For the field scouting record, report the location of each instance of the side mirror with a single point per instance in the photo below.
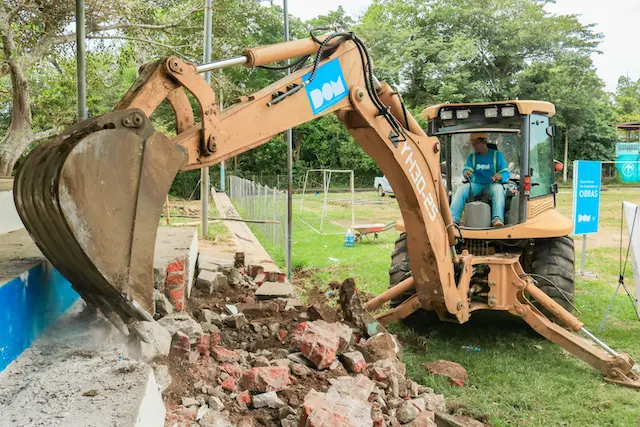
(551, 130)
(558, 166)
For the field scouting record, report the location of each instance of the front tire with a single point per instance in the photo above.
(554, 260)
(399, 269)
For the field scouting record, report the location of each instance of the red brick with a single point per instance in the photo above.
(222, 354)
(320, 341)
(243, 397)
(232, 369)
(424, 419)
(354, 361)
(175, 279)
(215, 338)
(282, 334)
(176, 294)
(264, 379)
(203, 344)
(324, 410)
(378, 374)
(229, 384)
(176, 266)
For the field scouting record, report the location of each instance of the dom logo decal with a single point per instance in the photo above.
(327, 88)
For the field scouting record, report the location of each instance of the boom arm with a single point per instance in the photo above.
(394, 140)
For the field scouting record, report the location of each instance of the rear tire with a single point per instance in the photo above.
(554, 259)
(380, 191)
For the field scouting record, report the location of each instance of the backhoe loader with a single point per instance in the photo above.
(92, 198)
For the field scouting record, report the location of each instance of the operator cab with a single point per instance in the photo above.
(521, 130)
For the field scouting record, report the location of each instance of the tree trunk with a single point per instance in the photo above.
(566, 154)
(19, 135)
(298, 145)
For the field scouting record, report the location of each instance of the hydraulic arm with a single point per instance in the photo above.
(92, 198)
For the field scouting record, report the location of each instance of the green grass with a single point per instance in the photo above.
(517, 378)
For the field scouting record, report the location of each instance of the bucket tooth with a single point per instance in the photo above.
(92, 199)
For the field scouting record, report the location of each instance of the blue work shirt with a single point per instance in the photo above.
(484, 166)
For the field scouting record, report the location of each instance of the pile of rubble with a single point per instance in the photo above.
(232, 359)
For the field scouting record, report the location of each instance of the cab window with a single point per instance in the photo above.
(540, 156)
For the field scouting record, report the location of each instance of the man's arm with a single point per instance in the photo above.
(503, 168)
(468, 166)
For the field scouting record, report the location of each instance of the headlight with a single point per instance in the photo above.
(491, 112)
(508, 111)
(446, 114)
(462, 114)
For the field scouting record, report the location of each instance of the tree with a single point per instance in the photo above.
(443, 51)
(627, 99)
(33, 32)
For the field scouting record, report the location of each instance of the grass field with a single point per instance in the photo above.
(517, 378)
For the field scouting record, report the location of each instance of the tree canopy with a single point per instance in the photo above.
(433, 51)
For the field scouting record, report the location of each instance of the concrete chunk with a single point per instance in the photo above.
(206, 281)
(275, 290)
(270, 400)
(184, 323)
(153, 341)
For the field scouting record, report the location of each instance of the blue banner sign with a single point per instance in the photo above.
(586, 196)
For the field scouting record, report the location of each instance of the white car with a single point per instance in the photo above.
(381, 184)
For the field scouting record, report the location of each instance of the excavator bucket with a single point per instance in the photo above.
(92, 200)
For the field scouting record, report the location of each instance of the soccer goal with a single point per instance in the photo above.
(327, 198)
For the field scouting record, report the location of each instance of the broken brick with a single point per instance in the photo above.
(229, 383)
(264, 379)
(424, 419)
(232, 369)
(378, 374)
(354, 361)
(324, 410)
(320, 341)
(203, 344)
(456, 373)
(260, 279)
(215, 338)
(244, 397)
(222, 354)
(282, 334)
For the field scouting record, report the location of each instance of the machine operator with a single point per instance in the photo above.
(486, 170)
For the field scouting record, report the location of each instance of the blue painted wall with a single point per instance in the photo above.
(28, 306)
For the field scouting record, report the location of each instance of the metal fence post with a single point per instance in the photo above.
(275, 230)
(266, 206)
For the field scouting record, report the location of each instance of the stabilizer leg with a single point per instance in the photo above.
(617, 367)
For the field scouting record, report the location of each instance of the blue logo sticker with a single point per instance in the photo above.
(586, 196)
(327, 88)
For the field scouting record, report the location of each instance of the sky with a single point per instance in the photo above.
(617, 20)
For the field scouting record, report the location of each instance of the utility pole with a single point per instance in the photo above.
(81, 63)
(288, 139)
(204, 174)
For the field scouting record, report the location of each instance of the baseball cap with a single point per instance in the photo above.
(479, 135)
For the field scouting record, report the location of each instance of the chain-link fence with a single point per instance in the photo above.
(258, 202)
